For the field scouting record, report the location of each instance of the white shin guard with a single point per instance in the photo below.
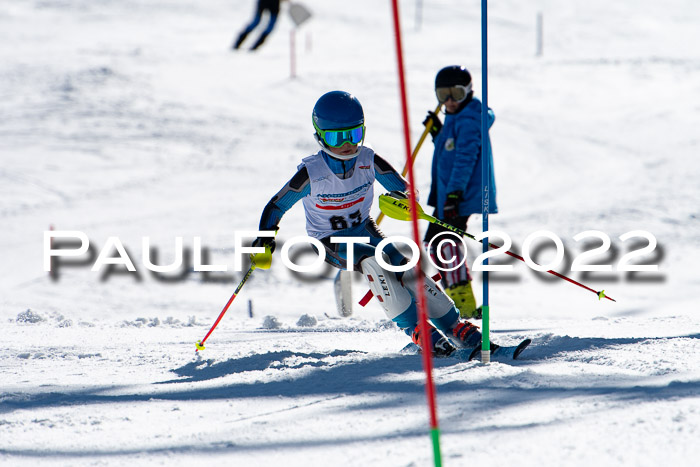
(439, 303)
(392, 295)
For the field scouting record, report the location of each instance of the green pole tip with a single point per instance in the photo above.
(435, 436)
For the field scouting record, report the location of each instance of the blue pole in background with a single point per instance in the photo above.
(485, 177)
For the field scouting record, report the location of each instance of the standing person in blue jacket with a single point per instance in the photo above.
(335, 186)
(273, 8)
(455, 191)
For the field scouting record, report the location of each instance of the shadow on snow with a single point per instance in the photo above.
(343, 373)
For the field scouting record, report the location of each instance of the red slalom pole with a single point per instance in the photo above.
(422, 306)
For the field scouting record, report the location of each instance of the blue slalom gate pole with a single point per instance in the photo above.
(485, 177)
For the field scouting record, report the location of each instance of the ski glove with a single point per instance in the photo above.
(266, 242)
(436, 124)
(450, 209)
(400, 194)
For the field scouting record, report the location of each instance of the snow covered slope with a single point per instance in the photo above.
(134, 119)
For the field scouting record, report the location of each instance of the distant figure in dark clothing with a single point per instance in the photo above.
(273, 7)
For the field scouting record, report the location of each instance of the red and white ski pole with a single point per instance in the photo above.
(200, 344)
(399, 209)
(263, 262)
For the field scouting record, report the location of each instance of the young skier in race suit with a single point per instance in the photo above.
(336, 188)
(455, 190)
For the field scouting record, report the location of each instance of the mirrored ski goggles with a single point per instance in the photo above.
(457, 93)
(336, 138)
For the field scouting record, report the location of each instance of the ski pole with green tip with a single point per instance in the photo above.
(399, 209)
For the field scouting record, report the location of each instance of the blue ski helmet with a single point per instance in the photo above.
(336, 111)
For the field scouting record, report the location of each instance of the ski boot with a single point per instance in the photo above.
(467, 336)
(441, 346)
